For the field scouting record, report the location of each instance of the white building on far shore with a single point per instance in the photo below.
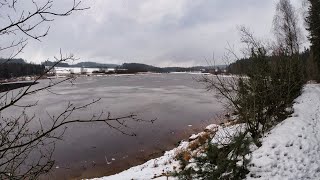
(72, 70)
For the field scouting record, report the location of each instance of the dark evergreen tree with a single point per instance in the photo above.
(313, 26)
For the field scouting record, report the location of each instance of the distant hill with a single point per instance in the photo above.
(192, 69)
(137, 67)
(50, 63)
(81, 64)
(17, 61)
(94, 65)
(130, 67)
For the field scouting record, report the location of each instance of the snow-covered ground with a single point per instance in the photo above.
(290, 151)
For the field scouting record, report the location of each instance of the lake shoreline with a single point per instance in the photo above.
(131, 160)
(4, 87)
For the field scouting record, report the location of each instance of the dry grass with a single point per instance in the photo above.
(184, 154)
(204, 137)
(193, 145)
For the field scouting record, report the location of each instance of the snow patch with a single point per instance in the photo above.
(292, 148)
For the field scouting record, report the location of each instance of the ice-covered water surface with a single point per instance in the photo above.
(176, 100)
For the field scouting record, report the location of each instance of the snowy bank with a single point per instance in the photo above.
(292, 149)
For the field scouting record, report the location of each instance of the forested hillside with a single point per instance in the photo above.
(17, 68)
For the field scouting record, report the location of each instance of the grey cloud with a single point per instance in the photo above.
(157, 32)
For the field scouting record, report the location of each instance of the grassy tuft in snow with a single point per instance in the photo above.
(220, 161)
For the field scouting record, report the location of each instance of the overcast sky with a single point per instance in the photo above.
(155, 32)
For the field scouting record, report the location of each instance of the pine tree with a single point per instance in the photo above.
(313, 26)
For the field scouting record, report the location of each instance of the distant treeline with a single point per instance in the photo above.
(243, 66)
(137, 67)
(80, 64)
(17, 68)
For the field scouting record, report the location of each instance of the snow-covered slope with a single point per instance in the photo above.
(292, 149)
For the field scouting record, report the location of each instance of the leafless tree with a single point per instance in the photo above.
(258, 96)
(286, 27)
(25, 152)
(229, 88)
(287, 49)
(273, 77)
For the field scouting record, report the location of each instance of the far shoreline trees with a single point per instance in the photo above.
(18, 68)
